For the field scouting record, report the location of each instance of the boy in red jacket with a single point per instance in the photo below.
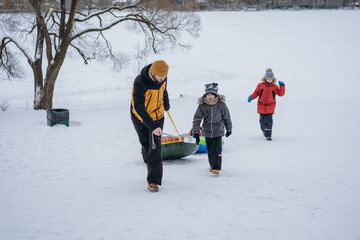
(267, 91)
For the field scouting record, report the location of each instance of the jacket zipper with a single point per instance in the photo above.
(212, 116)
(157, 106)
(267, 95)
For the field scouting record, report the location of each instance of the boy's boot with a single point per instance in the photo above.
(267, 134)
(153, 187)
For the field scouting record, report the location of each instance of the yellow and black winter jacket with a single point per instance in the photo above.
(149, 99)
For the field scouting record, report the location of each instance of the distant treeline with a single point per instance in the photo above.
(264, 4)
(198, 5)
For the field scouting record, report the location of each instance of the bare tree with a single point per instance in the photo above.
(54, 31)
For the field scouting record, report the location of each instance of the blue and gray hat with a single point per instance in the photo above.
(211, 88)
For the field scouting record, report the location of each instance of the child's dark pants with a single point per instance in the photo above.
(266, 123)
(214, 149)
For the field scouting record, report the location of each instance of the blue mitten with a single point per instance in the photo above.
(250, 99)
(281, 83)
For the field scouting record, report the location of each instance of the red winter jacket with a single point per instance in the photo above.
(267, 96)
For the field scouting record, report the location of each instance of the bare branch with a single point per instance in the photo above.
(6, 40)
(108, 10)
(100, 29)
(8, 61)
(82, 54)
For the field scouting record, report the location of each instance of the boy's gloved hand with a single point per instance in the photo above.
(250, 99)
(281, 83)
(197, 137)
(228, 133)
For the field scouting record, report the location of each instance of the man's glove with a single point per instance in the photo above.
(197, 137)
(250, 99)
(228, 133)
(281, 83)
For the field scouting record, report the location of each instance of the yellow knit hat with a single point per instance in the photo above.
(159, 68)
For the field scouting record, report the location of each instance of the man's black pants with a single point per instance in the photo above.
(266, 123)
(150, 149)
(214, 149)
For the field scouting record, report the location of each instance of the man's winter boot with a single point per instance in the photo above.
(153, 187)
(210, 169)
(215, 171)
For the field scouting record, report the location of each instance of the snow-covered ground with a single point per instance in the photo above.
(88, 181)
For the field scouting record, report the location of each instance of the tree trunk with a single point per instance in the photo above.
(46, 98)
(37, 65)
(62, 20)
(38, 81)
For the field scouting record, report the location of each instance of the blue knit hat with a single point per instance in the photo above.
(269, 74)
(211, 88)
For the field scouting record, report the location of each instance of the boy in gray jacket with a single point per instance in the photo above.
(215, 115)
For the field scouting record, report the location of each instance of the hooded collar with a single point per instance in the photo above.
(264, 81)
(220, 97)
(152, 77)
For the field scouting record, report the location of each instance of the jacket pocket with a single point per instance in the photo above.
(273, 94)
(148, 101)
(261, 92)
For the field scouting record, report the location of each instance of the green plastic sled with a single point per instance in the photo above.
(176, 150)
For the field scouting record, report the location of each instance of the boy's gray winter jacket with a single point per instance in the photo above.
(216, 117)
